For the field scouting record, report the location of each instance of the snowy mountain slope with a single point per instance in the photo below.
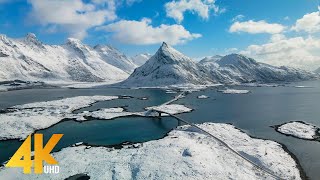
(170, 67)
(140, 59)
(31, 60)
(210, 62)
(116, 58)
(317, 71)
(242, 69)
(167, 67)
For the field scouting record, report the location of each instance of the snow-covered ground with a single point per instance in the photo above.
(235, 91)
(259, 84)
(105, 114)
(22, 120)
(203, 97)
(85, 85)
(171, 108)
(303, 87)
(299, 129)
(184, 153)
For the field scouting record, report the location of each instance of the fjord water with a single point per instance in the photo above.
(253, 113)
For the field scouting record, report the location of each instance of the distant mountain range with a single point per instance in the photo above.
(28, 59)
(317, 71)
(140, 59)
(170, 67)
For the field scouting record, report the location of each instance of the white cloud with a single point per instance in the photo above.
(309, 23)
(238, 18)
(231, 50)
(73, 16)
(296, 51)
(143, 33)
(277, 37)
(130, 2)
(176, 9)
(255, 27)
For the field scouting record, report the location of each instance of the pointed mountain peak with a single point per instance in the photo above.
(31, 36)
(73, 41)
(164, 45)
(170, 52)
(31, 39)
(3, 36)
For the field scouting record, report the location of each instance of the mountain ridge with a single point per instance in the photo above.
(167, 67)
(170, 67)
(140, 59)
(30, 59)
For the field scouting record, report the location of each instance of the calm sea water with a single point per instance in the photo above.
(254, 113)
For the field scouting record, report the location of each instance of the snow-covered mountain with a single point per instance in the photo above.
(210, 62)
(31, 60)
(170, 67)
(241, 69)
(140, 59)
(316, 71)
(116, 58)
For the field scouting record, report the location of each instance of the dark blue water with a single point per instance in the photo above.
(254, 113)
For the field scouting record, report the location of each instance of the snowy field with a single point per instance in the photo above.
(235, 91)
(184, 154)
(300, 130)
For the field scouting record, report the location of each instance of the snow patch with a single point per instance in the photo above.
(235, 91)
(303, 87)
(203, 97)
(299, 129)
(171, 108)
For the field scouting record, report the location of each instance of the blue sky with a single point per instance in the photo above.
(197, 28)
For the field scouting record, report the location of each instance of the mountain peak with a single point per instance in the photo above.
(31, 39)
(164, 45)
(235, 59)
(31, 36)
(3, 36)
(170, 53)
(73, 41)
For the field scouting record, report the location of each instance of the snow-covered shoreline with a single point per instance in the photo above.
(235, 91)
(185, 153)
(19, 121)
(22, 120)
(299, 129)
